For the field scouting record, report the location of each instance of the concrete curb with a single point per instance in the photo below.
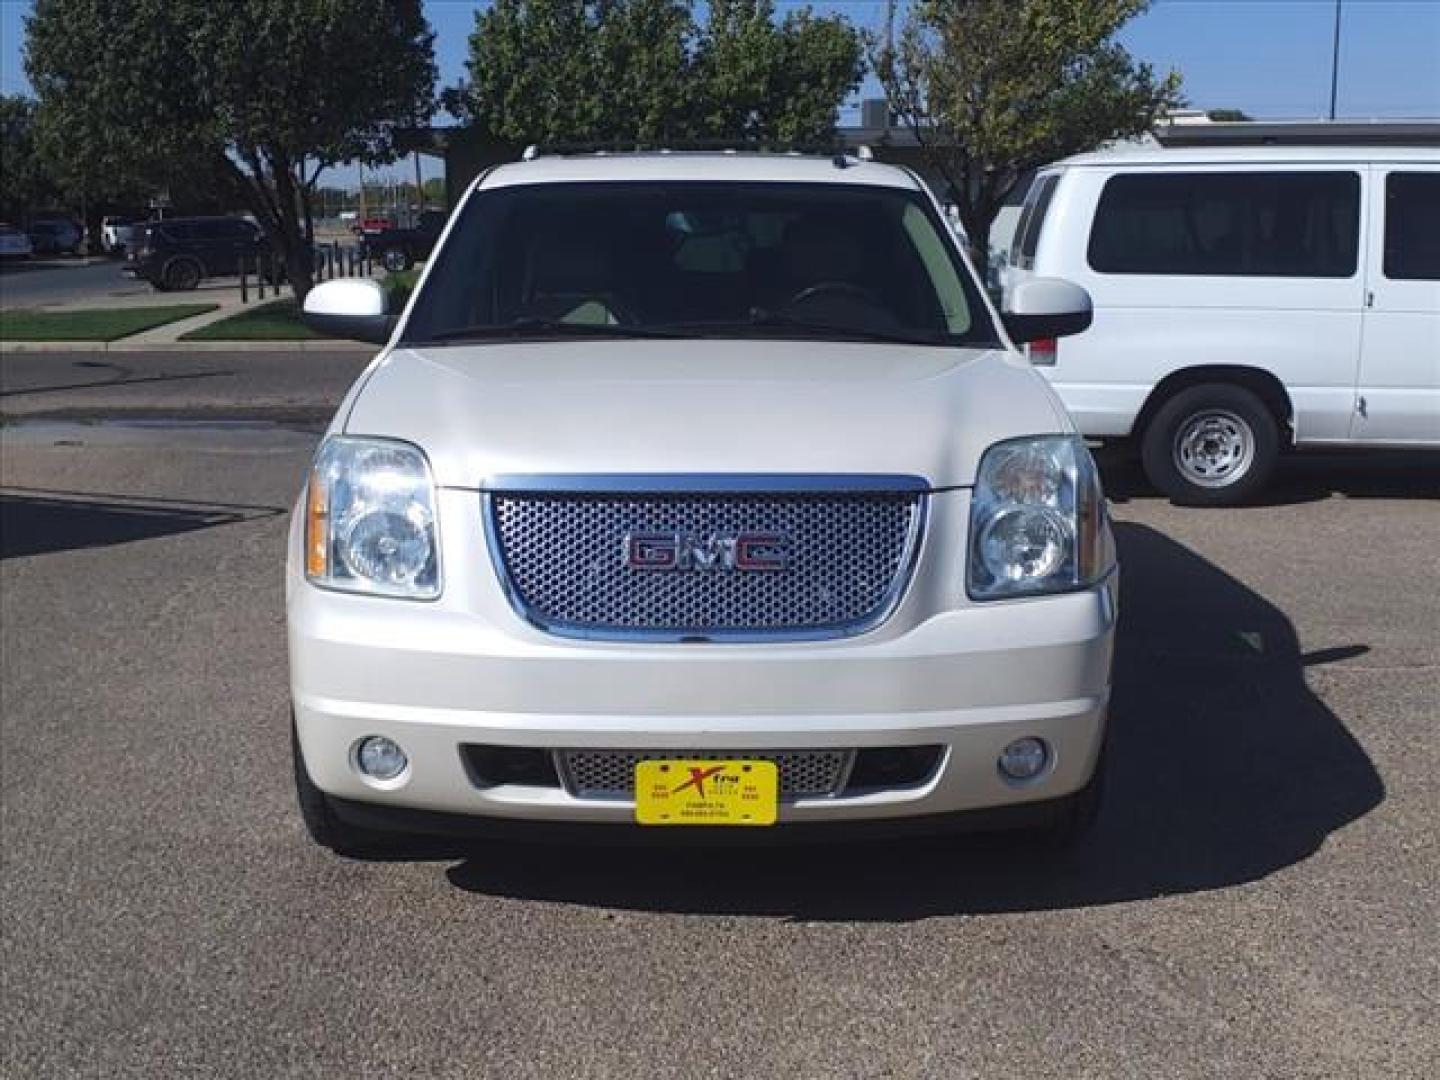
(325, 345)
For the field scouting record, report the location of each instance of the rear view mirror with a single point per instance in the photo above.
(1042, 307)
(349, 308)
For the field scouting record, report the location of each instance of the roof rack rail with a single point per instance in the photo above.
(841, 154)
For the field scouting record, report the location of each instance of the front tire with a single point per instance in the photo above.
(1076, 815)
(1215, 444)
(321, 822)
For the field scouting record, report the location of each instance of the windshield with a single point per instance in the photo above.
(827, 261)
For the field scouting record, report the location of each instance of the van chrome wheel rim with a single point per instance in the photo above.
(1214, 449)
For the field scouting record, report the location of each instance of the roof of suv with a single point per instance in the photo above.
(698, 165)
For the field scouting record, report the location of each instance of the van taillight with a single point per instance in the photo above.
(1042, 352)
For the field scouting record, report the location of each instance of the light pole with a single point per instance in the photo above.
(1335, 62)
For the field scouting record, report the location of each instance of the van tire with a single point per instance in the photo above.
(321, 822)
(1215, 444)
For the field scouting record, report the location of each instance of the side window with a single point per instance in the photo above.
(1412, 226)
(1027, 237)
(1250, 224)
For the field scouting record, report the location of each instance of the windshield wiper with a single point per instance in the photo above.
(760, 319)
(545, 327)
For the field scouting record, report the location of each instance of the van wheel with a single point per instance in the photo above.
(321, 822)
(182, 275)
(1211, 445)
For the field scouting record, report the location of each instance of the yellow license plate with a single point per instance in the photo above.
(706, 792)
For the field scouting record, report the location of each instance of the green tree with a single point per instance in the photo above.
(25, 184)
(265, 93)
(645, 71)
(775, 82)
(994, 88)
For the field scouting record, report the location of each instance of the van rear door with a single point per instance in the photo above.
(1398, 399)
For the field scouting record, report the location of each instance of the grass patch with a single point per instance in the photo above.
(400, 284)
(100, 324)
(278, 320)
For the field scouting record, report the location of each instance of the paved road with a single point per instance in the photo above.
(296, 386)
(1259, 899)
(58, 281)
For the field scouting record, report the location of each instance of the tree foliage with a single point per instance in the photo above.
(24, 182)
(994, 88)
(263, 93)
(648, 71)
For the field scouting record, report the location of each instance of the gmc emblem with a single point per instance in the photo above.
(712, 551)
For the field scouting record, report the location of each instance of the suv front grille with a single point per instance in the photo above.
(563, 555)
(607, 774)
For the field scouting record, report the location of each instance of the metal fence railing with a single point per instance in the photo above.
(262, 272)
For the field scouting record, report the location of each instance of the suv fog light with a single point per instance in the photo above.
(381, 759)
(1024, 759)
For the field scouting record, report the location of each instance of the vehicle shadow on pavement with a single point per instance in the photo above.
(1224, 768)
(1303, 477)
(33, 523)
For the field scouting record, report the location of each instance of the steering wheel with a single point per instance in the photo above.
(838, 289)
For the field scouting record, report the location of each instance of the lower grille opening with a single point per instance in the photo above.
(893, 767)
(610, 774)
(491, 766)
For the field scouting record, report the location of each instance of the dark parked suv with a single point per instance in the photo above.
(179, 253)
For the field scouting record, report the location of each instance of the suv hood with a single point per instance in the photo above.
(702, 406)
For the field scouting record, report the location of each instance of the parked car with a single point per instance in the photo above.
(1247, 301)
(112, 236)
(129, 235)
(699, 490)
(400, 249)
(14, 244)
(55, 236)
(179, 253)
(371, 225)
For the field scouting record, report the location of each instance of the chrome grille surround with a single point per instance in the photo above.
(557, 542)
(610, 774)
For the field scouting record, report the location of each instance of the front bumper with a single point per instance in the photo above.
(435, 677)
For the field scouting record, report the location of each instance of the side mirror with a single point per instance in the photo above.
(349, 308)
(1042, 307)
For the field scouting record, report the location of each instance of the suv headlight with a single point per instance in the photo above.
(1037, 520)
(370, 519)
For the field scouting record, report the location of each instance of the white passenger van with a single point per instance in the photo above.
(1247, 300)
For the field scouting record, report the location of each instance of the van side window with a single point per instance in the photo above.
(1260, 224)
(1412, 226)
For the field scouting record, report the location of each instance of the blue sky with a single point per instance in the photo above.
(1268, 57)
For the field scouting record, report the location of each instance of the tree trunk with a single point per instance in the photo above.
(980, 246)
(299, 266)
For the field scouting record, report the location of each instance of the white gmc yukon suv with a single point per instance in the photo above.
(692, 494)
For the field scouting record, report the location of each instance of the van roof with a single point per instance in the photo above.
(1253, 155)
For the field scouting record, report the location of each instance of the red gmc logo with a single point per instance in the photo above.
(713, 551)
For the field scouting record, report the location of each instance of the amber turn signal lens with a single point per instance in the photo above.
(317, 532)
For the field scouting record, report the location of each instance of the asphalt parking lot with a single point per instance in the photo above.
(40, 282)
(1259, 898)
